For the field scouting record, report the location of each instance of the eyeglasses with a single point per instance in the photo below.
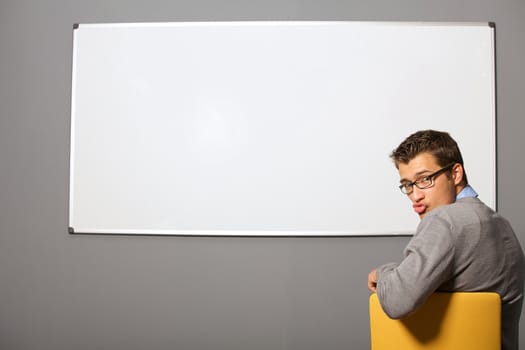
(424, 182)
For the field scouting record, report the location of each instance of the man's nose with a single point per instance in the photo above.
(417, 194)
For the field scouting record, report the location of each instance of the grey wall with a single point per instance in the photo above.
(59, 291)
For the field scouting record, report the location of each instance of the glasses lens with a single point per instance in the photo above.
(406, 189)
(424, 182)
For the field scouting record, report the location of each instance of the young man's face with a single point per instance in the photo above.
(445, 185)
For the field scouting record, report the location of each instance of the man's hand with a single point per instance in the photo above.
(372, 281)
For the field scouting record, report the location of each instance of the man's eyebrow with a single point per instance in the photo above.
(422, 172)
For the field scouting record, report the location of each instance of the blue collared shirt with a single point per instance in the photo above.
(467, 191)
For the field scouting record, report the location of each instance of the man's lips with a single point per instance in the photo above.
(419, 208)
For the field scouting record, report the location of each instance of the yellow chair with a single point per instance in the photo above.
(446, 321)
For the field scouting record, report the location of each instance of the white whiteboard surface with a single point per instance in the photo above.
(269, 128)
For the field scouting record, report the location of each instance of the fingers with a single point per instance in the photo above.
(372, 281)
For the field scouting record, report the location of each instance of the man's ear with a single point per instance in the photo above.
(457, 174)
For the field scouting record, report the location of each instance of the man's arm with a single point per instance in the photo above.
(427, 264)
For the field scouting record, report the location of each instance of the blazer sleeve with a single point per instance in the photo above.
(427, 263)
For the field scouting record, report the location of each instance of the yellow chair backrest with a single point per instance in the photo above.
(446, 321)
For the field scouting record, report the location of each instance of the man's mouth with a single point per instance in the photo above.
(419, 208)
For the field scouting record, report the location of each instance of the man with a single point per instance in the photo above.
(460, 243)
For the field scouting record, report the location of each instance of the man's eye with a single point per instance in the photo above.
(423, 180)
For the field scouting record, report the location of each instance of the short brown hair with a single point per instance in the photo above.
(438, 143)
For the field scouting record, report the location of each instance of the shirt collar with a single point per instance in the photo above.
(466, 192)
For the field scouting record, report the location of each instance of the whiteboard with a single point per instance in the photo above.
(269, 128)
